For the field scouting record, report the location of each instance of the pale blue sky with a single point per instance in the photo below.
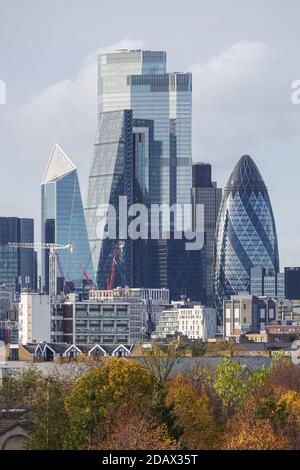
(243, 55)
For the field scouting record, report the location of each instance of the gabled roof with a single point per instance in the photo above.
(57, 348)
(59, 165)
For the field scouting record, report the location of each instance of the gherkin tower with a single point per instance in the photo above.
(246, 232)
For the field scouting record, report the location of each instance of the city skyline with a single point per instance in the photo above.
(248, 111)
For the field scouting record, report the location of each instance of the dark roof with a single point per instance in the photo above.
(58, 348)
(31, 347)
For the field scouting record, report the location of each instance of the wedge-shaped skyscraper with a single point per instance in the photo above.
(246, 233)
(63, 222)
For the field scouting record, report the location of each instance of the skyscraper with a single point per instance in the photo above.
(160, 148)
(206, 192)
(246, 233)
(63, 222)
(137, 80)
(111, 176)
(17, 265)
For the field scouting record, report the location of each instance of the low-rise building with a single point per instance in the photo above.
(108, 317)
(188, 319)
(244, 314)
(288, 310)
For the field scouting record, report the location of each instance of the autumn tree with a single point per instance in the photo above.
(194, 415)
(115, 385)
(128, 429)
(246, 431)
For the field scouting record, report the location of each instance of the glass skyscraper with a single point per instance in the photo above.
(63, 222)
(17, 265)
(159, 149)
(111, 176)
(246, 233)
(137, 80)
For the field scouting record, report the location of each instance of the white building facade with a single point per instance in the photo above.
(193, 321)
(34, 318)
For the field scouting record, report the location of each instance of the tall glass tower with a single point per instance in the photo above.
(63, 222)
(137, 80)
(246, 233)
(111, 176)
(161, 146)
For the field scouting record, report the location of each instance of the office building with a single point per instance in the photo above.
(177, 269)
(18, 266)
(108, 317)
(262, 284)
(246, 314)
(292, 283)
(138, 80)
(188, 319)
(111, 176)
(152, 143)
(63, 223)
(246, 233)
(206, 192)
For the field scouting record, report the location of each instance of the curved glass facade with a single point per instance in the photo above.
(246, 233)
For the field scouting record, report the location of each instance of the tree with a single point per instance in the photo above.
(246, 431)
(194, 415)
(229, 383)
(283, 373)
(161, 359)
(131, 430)
(117, 384)
(50, 419)
(198, 348)
(258, 436)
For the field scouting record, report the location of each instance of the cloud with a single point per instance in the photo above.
(240, 103)
(66, 113)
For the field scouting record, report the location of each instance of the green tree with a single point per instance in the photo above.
(50, 419)
(229, 383)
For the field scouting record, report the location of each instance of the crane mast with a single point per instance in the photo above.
(53, 253)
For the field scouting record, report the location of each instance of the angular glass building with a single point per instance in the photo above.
(246, 233)
(111, 176)
(63, 222)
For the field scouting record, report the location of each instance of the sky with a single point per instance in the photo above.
(244, 57)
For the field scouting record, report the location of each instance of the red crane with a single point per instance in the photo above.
(86, 276)
(111, 280)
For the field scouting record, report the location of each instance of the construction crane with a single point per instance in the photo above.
(111, 280)
(53, 249)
